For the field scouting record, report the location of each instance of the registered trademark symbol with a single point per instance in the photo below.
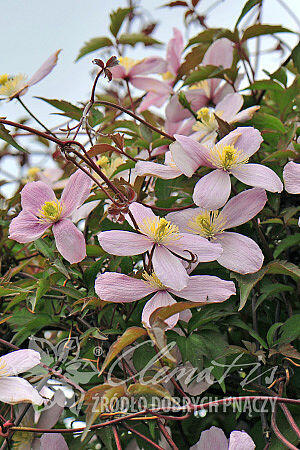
(98, 351)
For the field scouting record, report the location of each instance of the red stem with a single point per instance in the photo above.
(117, 439)
(132, 430)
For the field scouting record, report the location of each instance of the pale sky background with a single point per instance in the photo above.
(31, 30)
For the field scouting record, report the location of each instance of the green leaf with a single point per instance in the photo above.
(287, 242)
(94, 251)
(265, 85)
(135, 38)
(271, 332)
(68, 109)
(4, 134)
(259, 30)
(202, 74)
(42, 287)
(208, 36)
(93, 45)
(235, 321)
(116, 19)
(247, 7)
(265, 121)
(290, 330)
(296, 56)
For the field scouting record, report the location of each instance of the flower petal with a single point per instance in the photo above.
(188, 154)
(152, 99)
(244, 206)
(174, 50)
(19, 361)
(151, 85)
(154, 64)
(182, 218)
(259, 176)
(84, 210)
(17, 390)
(50, 415)
(212, 439)
(34, 195)
(227, 108)
(118, 72)
(220, 53)
(44, 70)
(77, 190)
(26, 228)
(169, 268)
(141, 212)
(240, 440)
(159, 300)
(206, 288)
(69, 241)
(159, 170)
(203, 249)
(291, 177)
(240, 253)
(123, 243)
(119, 288)
(245, 115)
(212, 191)
(245, 139)
(53, 441)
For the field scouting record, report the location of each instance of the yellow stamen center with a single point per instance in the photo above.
(32, 173)
(202, 85)
(160, 230)
(208, 223)
(11, 85)
(109, 165)
(227, 157)
(102, 161)
(50, 211)
(167, 76)
(3, 368)
(128, 63)
(154, 281)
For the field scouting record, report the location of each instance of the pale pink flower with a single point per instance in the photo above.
(119, 288)
(240, 253)
(16, 86)
(291, 177)
(15, 389)
(41, 210)
(134, 72)
(212, 90)
(215, 439)
(165, 243)
(175, 48)
(227, 109)
(229, 156)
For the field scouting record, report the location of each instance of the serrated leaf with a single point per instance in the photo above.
(139, 389)
(93, 45)
(247, 7)
(268, 122)
(265, 85)
(68, 109)
(127, 338)
(296, 56)
(43, 286)
(210, 35)
(5, 135)
(135, 38)
(117, 18)
(260, 30)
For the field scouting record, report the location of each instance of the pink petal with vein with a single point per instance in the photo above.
(220, 53)
(154, 64)
(229, 106)
(19, 361)
(212, 191)
(174, 50)
(240, 440)
(244, 206)
(197, 245)
(69, 241)
(45, 69)
(259, 176)
(212, 439)
(34, 195)
(76, 192)
(53, 441)
(151, 84)
(240, 253)
(141, 212)
(124, 243)
(202, 288)
(187, 154)
(158, 170)
(26, 228)
(159, 300)
(15, 390)
(119, 288)
(291, 177)
(169, 268)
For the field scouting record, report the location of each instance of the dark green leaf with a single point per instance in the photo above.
(265, 85)
(69, 110)
(259, 30)
(202, 74)
(287, 242)
(265, 121)
(135, 38)
(4, 134)
(247, 7)
(296, 56)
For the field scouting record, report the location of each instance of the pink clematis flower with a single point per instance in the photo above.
(240, 253)
(215, 439)
(14, 389)
(41, 210)
(174, 52)
(227, 109)
(116, 287)
(165, 243)
(16, 86)
(134, 72)
(228, 157)
(212, 90)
